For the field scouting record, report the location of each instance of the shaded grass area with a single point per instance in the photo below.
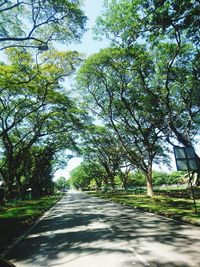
(15, 218)
(176, 208)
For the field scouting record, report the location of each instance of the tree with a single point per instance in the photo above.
(137, 179)
(37, 23)
(101, 143)
(126, 22)
(94, 171)
(41, 172)
(124, 174)
(34, 111)
(117, 91)
(160, 178)
(170, 31)
(79, 178)
(61, 183)
(176, 177)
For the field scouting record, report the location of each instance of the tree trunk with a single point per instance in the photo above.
(8, 191)
(98, 183)
(112, 180)
(150, 192)
(105, 184)
(148, 175)
(124, 184)
(2, 196)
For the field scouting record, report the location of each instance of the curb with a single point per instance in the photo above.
(22, 236)
(181, 219)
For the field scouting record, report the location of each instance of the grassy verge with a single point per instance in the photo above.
(15, 218)
(176, 208)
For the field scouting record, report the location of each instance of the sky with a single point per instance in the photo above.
(92, 9)
(88, 46)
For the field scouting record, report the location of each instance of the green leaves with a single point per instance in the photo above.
(126, 22)
(36, 23)
(79, 178)
(120, 22)
(35, 111)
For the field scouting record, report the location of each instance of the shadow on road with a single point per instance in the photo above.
(81, 226)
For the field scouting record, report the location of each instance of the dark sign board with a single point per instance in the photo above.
(185, 159)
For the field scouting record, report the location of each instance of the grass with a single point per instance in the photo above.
(176, 208)
(16, 217)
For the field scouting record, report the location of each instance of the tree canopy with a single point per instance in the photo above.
(37, 116)
(146, 84)
(138, 97)
(37, 23)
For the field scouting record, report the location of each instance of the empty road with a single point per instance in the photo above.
(81, 231)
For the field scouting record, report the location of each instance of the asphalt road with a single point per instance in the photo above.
(81, 231)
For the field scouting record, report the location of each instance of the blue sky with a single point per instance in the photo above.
(92, 9)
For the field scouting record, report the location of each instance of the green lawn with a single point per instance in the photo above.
(177, 208)
(16, 217)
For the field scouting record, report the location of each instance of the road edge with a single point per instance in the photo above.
(18, 239)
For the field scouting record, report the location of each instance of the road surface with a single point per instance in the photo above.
(81, 231)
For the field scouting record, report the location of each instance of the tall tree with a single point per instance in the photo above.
(169, 29)
(94, 171)
(115, 82)
(79, 178)
(37, 111)
(124, 174)
(101, 144)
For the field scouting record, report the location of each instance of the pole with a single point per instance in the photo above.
(192, 191)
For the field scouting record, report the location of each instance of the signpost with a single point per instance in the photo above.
(186, 161)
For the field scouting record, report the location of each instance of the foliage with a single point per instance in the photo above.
(124, 175)
(128, 21)
(164, 178)
(146, 84)
(95, 172)
(118, 93)
(144, 90)
(61, 183)
(36, 23)
(79, 178)
(37, 117)
(169, 31)
(137, 179)
(100, 143)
